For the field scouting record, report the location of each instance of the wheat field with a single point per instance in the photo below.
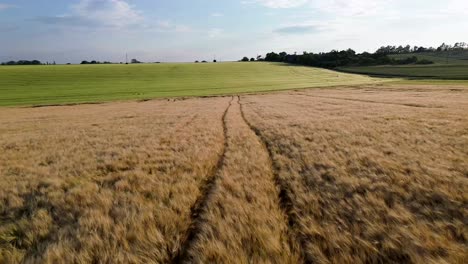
(359, 174)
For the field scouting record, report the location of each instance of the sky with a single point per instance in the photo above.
(69, 31)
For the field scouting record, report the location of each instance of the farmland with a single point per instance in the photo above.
(452, 57)
(233, 132)
(65, 84)
(449, 65)
(451, 72)
(350, 174)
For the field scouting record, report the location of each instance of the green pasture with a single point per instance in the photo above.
(64, 84)
(450, 67)
(434, 71)
(441, 57)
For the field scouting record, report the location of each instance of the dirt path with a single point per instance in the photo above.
(241, 214)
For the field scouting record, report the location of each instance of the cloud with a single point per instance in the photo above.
(108, 12)
(67, 21)
(168, 26)
(215, 32)
(8, 28)
(456, 7)
(299, 29)
(278, 3)
(336, 7)
(217, 15)
(108, 15)
(98, 13)
(6, 6)
(350, 7)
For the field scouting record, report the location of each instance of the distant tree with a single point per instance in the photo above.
(94, 62)
(282, 56)
(84, 62)
(272, 56)
(252, 59)
(421, 49)
(135, 61)
(245, 59)
(214, 61)
(22, 62)
(407, 49)
(460, 46)
(348, 57)
(204, 61)
(196, 61)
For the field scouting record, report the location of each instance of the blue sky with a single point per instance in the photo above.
(187, 30)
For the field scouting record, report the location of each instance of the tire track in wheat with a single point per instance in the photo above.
(206, 190)
(369, 101)
(285, 193)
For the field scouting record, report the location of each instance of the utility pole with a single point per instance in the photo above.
(126, 58)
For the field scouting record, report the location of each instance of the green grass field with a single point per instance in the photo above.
(445, 57)
(63, 84)
(436, 71)
(452, 65)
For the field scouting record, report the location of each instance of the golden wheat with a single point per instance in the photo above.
(368, 174)
(109, 183)
(375, 175)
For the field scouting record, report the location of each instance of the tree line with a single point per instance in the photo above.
(133, 61)
(37, 62)
(330, 59)
(22, 62)
(342, 58)
(459, 46)
(349, 57)
(95, 62)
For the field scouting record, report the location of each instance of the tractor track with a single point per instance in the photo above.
(207, 189)
(285, 193)
(368, 101)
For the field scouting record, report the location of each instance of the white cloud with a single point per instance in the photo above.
(168, 26)
(350, 7)
(108, 15)
(215, 32)
(456, 7)
(278, 3)
(217, 15)
(97, 14)
(309, 27)
(336, 7)
(115, 13)
(6, 6)
(362, 8)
